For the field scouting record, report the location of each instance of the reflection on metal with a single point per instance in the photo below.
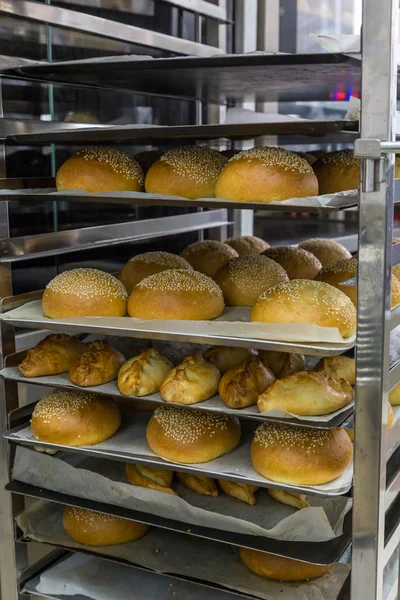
(16, 127)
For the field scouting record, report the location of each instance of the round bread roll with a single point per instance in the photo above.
(190, 172)
(98, 529)
(142, 375)
(98, 170)
(338, 367)
(187, 435)
(208, 256)
(178, 294)
(243, 279)
(84, 293)
(147, 158)
(194, 380)
(266, 175)
(306, 301)
(247, 244)
(300, 455)
(298, 263)
(143, 265)
(74, 418)
(327, 251)
(279, 568)
(225, 357)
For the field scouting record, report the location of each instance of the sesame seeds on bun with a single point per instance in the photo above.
(142, 265)
(147, 158)
(208, 256)
(247, 244)
(298, 263)
(327, 251)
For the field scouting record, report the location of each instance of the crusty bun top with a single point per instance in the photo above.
(247, 244)
(208, 256)
(298, 263)
(143, 265)
(327, 251)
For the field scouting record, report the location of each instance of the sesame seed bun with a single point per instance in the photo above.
(247, 244)
(99, 170)
(298, 263)
(191, 436)
(266, 175)
(243, 279)
(84, 293)
(306, 301)
(142, 265)
(99, 529)
(327, 251)
(190, 172)
(147, 158)
(74, 418)
(300, 455)
(279, 568)
(208, 256)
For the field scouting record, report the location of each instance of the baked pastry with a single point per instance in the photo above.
(142, 375)
(194, 380)
(98, 170)
(266, 175)
(198, 483)
(240, 491)
(279, 568)
(241, 386)
(306, 393)
(98, 529)
(52, 356)
(327, 251)
(298, 263)
(208, 256)
(147, 158)
(99, 364)
(296, 500)
(187, 435)
(189, 171)
(84, 293)
(300, 455)
(178, 294)
(394, 395)
(306, 301)
(74, 418)
(338, 367)
(243, 279)
(227, 357)
(247, 244)
(283, 363)
(151, 478)
(142, 265)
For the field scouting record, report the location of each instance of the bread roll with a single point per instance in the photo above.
(208, 256)
(142, 265)
(199, 483)
(52, 356)
(298, 263)
(338, 367)
(98, 170)
(84, 293)
(306, 393)
(295, 500)
(74, 418)
(243, 279)
(241, 386)
(310, 158)
(394, 395)
(189, 171)
(98, 529)
(283, 363)
(142, 375)
(240, 491)
(266, 175)
(178, 294)
(305, 301)
(152, 478)
(99, 364)
(300, 455)
(147, 158)
(327, 251)
(194, 380)
(226, 357)
(191, 436)
(279, 568)
(247, 244)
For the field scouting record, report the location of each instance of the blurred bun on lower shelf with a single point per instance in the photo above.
(327, 251)
(279, 568)
(143, 265)
(208, 256)
(247, 244)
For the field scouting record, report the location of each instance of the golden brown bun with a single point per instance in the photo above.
(52, 356)
(306, 393)
(266, 175)
(298, 263)
(84, 293)
(194, 380)
(243, 279)
(178, 294)
(306, 301)
(99, 529)
(208, 256)
(141, 266)
(338, 367)
(199, 483)
(150, 477)
(327, 251)
(394, 395)
(299, 455)
(279, 568)
(310, 158)
(74, 418)
(147, 158)
(318, 153)
(190, 172)
(283, 363)
(296, 500)
(247, 244)
(240, 491)
(241, 386)
(99, 170)
(99, 364)
(187, 435)
(142, 375)
(226, 357)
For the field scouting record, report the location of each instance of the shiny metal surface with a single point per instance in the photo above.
(26, 127)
